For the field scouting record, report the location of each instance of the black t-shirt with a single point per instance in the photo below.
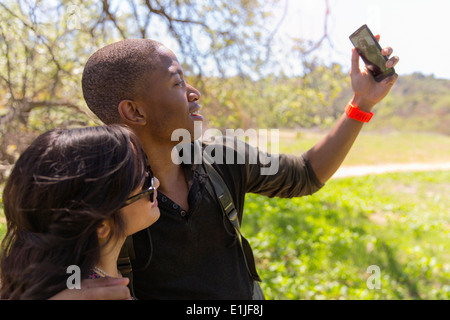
(196, 254)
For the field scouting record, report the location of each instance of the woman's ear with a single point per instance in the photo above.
(104, 229)
(131, 113)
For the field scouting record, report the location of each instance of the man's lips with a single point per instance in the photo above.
(194, 113)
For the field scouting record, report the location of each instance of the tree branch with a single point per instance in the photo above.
(161, 12)
(110, 16)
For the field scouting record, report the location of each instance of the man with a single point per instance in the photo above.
(192, 252)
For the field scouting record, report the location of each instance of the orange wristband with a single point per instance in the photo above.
(357, 114)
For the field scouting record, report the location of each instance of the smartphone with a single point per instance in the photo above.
(370, 51)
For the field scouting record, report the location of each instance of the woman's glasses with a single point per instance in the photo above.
(148, 188)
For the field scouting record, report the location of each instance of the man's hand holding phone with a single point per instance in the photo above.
(368, 90)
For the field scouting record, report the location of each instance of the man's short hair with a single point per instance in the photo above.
(113, 74)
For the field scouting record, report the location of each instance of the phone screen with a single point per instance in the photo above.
(370, 51)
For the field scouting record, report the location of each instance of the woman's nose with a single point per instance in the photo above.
(156, 182)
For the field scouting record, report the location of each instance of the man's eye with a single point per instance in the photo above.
(182, 83)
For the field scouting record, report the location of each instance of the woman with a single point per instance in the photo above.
(72, 199)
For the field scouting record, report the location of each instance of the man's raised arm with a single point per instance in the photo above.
(329, 153)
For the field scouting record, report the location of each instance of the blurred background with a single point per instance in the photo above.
(274, 64)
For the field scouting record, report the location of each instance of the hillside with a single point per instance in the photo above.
(416, 103)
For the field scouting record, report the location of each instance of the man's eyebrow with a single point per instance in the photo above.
(177, 72)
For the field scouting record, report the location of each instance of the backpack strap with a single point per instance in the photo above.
(124, 262)
(218, 189)
(127, 253)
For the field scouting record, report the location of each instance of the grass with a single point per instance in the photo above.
(320, 247)
(378, 148)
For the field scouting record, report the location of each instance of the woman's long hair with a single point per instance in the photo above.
(60, 190)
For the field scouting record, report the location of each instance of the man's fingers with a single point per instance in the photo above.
(97, 289)
(392, 62)
(117, 292)
(355, 62)
(387, 51)
(390, 81)
(105, 289)
(104, 282)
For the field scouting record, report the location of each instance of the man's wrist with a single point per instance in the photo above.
(355, 113)
(362, 103)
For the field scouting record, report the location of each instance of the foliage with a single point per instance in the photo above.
(45, 44)
(320, 247)
(225, 50)
(316, 99)
(415, 103)
(273, 101)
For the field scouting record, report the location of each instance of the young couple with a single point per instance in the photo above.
(75, 195)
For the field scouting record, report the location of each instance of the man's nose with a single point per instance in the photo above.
(193, 94)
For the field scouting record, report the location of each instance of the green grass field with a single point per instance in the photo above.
(320, 247)
(377, 148)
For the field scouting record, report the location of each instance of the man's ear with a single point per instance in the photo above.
(131, 113)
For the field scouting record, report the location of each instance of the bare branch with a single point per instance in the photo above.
(112, 18)
(324, 37)
(142, 28)
(275, 30)
(161, 12)
(8, 65)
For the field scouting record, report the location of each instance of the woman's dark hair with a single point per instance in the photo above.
(61, 189)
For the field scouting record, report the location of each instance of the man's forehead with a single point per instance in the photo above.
(169, 62)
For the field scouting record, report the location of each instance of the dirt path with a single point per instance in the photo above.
(355, 171)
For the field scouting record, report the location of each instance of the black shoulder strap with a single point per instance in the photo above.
(220, 191)
(124, 262)
(127, 253)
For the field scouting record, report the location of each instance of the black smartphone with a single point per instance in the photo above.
(370, 51)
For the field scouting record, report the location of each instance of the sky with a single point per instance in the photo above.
(417, 30)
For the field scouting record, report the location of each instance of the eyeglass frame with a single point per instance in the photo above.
(141, 194)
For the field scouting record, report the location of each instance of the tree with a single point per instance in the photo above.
(45, 44)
